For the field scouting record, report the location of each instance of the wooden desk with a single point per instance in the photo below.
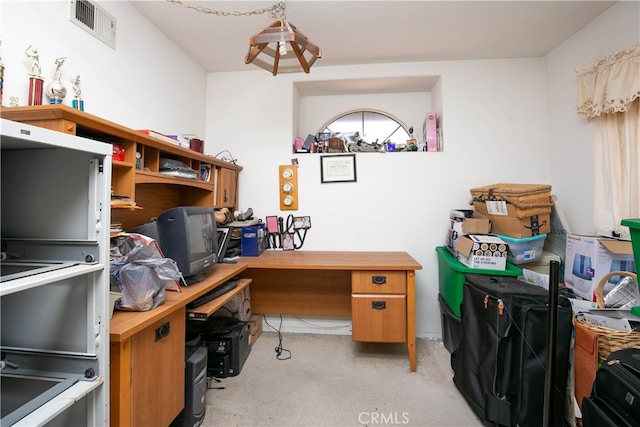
(147, 366)
(375, 289)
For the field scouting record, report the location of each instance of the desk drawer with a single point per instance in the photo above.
(379, 282)
(379, 318)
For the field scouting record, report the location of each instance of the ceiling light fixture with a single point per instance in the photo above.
(279, 48)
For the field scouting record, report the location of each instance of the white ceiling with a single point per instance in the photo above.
(373, 32)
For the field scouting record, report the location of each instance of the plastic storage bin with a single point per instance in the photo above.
(634, 230)
(253, 240)
(451, 275)
(527, 249)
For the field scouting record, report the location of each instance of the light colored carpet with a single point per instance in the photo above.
(332, 381)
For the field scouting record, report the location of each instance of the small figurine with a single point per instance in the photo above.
(13, 101)
(36, 70)
(57, 74)
(77, 102)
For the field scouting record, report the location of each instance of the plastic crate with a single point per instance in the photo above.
(634, 229)
(527, 249)
(451, 275)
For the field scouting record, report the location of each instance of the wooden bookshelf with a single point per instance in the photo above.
(138, 176)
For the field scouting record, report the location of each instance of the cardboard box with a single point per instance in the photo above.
(117, 152)
(255, 327)
(589, 258)
(504, 220)
(482, 251)
(463, 222)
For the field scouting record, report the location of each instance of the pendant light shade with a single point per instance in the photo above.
(282, 48)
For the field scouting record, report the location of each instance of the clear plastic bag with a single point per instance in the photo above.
(141, 276)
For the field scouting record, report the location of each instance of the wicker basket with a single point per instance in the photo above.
(528, 199)
(610, 340)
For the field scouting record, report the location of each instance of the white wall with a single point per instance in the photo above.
(571, 137)
(146, 82)
(496, 131)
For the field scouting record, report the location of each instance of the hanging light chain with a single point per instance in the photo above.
(275, 11)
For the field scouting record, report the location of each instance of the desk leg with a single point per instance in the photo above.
(120, 384)
(411, 318)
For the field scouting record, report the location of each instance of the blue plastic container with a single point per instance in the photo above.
(253, 240)
(527, 249)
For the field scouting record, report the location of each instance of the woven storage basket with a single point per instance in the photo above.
(610, 340)
(528, 199)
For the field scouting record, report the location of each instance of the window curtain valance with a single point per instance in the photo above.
(609, 85)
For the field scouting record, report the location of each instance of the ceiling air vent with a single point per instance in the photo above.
(94, 20)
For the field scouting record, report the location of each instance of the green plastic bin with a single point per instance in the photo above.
(634, 230)
(451, 277)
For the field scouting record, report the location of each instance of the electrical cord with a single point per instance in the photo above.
(279, 349)
(214, 379)
(229, 159)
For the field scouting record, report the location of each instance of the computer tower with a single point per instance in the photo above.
(195, 388)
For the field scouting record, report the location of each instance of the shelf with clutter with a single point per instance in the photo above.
(149, 174)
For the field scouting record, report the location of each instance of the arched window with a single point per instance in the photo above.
(365, 130)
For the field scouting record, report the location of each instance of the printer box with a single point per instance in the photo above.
(589, 258)
(482, 251)
(463, 222)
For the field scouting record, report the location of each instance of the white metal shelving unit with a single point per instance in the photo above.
(54, 337)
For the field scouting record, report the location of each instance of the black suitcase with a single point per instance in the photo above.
(615, 397)
(499, 366)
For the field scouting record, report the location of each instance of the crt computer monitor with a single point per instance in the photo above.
(187, 234)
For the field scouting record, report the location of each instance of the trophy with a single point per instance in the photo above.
(55, 90)
(35, 77)
(77, 102)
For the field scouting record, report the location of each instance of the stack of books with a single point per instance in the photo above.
(172, 139)
(122, 202)
(116, 228)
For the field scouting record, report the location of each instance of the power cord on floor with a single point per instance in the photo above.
(279, 349)
(214, 379)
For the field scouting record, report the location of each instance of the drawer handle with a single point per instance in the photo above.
(378, 280)
(163, 331)
(378, 305)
